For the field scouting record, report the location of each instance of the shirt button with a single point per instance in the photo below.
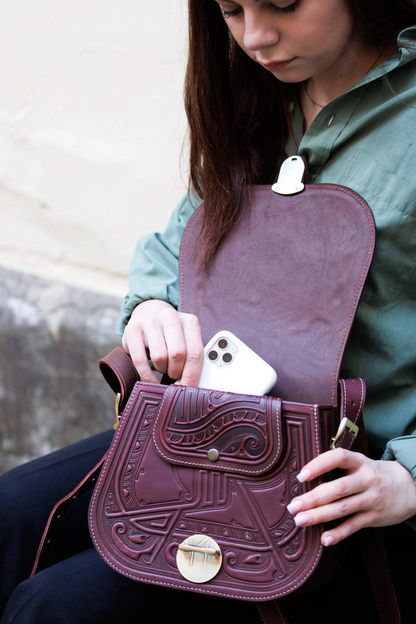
(291, 106)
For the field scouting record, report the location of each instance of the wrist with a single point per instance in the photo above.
(149, 307)
(405, 482)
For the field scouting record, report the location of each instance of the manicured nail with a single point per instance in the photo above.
(294, 507)
(327, 541)
(303, 476)
(302, 519)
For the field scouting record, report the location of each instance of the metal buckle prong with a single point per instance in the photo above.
(117, 408)
(343, 425)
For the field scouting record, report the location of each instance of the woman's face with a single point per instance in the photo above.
(295, 39)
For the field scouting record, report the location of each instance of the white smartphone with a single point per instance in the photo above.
(230, 365)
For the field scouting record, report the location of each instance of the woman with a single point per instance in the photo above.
(316, 49)
(303, 76)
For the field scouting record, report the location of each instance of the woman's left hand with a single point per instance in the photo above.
(371, 493)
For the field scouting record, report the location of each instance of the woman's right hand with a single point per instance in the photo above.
(171, 339)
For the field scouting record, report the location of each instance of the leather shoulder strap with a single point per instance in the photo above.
(120, 374)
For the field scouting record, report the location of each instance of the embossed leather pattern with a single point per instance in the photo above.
(246, 430)
(158, 487)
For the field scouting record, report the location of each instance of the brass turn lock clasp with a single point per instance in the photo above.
(199, 558)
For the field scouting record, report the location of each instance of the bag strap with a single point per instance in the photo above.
(119, 372)
(58, 513)
(271, 612)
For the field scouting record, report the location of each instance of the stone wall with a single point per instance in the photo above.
(91, 129)
(51, 391)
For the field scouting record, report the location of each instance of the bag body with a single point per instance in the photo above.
(188, 466)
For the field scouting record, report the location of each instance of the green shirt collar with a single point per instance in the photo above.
(406, 42)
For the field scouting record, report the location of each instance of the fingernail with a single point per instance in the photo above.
(302, 519)
(294, 507)
(303, 476)
(327, 541)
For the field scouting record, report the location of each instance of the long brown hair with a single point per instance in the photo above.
(238, 113)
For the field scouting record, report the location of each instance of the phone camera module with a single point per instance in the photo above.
(222, 343)
(212, 355)
(227, 357)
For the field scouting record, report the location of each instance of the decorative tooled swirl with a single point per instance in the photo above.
(242, 441)
(260, 570)
(236, 432)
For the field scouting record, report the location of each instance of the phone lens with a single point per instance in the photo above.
(227, 357)
(212, 355)
(222, 343)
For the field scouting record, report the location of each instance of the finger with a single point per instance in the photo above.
(358, 503)
(347, 528)
(327, 493)
(338, 458)
(194, 352)
(134, 345)
(157, 350)
(175, 345)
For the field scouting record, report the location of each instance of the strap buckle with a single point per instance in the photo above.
(344, 425)
(117, 408)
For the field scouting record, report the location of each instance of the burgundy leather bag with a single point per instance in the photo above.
(194, 490)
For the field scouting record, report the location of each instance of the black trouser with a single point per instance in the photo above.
(79, 587)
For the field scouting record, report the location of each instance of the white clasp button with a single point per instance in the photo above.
(290, 177)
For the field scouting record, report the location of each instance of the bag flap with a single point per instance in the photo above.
(219, 430)
(286, 281)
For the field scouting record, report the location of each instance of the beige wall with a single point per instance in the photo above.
(91, 127)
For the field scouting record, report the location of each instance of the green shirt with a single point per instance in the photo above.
(366, 140)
